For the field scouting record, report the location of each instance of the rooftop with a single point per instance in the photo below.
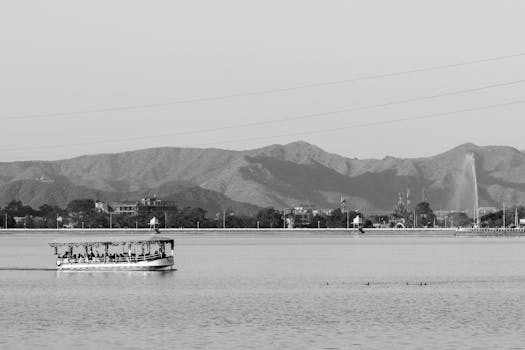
(103, 239)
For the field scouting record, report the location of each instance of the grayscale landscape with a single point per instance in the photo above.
(262, 174)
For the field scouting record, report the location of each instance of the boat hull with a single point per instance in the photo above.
(153, 265)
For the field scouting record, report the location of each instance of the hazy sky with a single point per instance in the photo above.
(72, 56)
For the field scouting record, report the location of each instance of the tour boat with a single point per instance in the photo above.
(131, 253)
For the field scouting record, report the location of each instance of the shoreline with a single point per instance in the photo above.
(371, 232)
(417, 232)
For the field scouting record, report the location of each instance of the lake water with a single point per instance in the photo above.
(297, 291)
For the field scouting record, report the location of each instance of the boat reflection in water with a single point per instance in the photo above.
(105, 253)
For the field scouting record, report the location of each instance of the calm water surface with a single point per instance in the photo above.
(300, 291)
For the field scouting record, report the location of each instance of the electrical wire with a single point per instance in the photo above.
(263, 92)
(326, 130)
(322, 114)
(370, 124)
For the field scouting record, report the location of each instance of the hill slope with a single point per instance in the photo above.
(60, 192)
(277, 175)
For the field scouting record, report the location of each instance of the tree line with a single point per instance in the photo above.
(81, 213)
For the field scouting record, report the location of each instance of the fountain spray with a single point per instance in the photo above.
(472, 162)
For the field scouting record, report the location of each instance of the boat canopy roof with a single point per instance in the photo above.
(113, 240)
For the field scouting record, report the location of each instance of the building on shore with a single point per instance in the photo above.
(102, 207)
(150, 204)
(486, 210)
(303, 215)
(146, 205)
(125, 208)
(20, 220)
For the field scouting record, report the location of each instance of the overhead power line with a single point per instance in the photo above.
(262, 92)
(325, 113)
(320, 131)
(370, 124)
(344, 110)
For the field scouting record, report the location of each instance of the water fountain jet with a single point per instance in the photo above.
(470, 164)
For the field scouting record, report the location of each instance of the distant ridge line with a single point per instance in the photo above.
(361, 125)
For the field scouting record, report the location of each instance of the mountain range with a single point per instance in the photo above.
(278, 175)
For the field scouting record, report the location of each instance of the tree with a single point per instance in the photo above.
(85, 205)
(379, 219)
(240, 221)
(318, 221)
(82, 212)
(46, 210)
(336, 219)
(16, 208)
(98, 220)
(368, 224)
(29, 222)
(123, 221)
(458, 219)
(269, 218)
(49, 214)
(188, 217)
(495, 219)
(10, 221)
(341, 219)
(424, 214)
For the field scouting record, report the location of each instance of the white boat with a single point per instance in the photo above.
(105, 253)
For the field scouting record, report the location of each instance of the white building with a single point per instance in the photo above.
(101, 207)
